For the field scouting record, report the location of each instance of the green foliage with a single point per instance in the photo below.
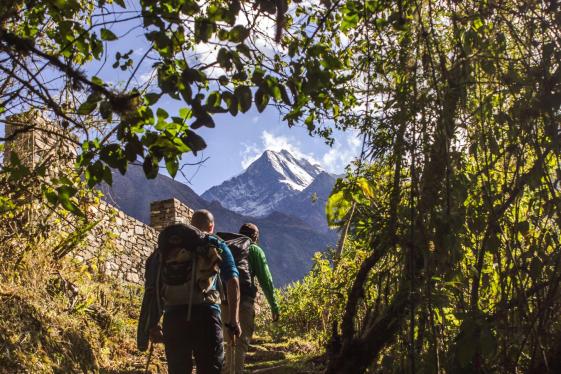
(311, 306)
(456, 206)
(457, 103)
(59, 314)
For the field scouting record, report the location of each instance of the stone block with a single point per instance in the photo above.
(133, 277)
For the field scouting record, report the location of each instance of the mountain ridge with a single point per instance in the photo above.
(271, 178)
(288, 240)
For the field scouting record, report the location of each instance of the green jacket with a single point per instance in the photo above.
(258, 268)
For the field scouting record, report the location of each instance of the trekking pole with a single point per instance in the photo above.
(149, 358)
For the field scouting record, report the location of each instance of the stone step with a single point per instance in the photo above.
(281, 369)
(256, 339)
(265, 355)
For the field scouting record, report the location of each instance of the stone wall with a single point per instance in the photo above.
(166, 212)
(119, 244)
(122, 243)
(38, 141)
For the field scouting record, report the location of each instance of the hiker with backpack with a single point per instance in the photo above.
(251, 263)
(183, 282)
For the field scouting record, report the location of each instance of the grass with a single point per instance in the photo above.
(61, 318)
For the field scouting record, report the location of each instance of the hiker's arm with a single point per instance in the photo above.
(229, 273)
(263, 274)
(233, 290)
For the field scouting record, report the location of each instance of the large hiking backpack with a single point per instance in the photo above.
(239, 246)
(181, 271)
(188, 267)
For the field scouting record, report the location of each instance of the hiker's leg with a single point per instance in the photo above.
(177, 343)
(208, 346)
(247, 323)
(228, 367)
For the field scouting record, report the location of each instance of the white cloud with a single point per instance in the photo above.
(279, 143)
(272, 142)
(345, 149)
(250, 153)
(147, 76)
(206, 53)
(260, 39)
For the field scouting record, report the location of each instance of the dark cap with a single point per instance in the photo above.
(251, 231)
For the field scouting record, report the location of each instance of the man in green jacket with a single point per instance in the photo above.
(258, 268)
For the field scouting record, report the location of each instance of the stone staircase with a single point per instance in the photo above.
(266, 356)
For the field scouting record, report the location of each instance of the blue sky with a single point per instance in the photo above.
(235, 141)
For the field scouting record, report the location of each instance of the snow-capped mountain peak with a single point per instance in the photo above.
(297, 174)
(268, 180)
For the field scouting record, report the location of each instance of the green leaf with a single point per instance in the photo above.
(186, 93)
(152, 98)
(189, 76)
(284, 94)
(223, 80)
(107, 35)
(150, 167)
(190, 7)
(309, 122)
(203, 120)
(204, 29)
(194, 141)
(161, 114)
(238, 34)
(365, 187)
(172, 165)
(231, 102)
(213, 99)
(243, 94)
(244, 50)
(337, 207)
(65, 193)
(105, 110)
(224, 58)
(133, 148)
(331, 62)
(261, 99)
(98, 81)
(107, 176)
(185, 113)
(86, 108)
(51, 197)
